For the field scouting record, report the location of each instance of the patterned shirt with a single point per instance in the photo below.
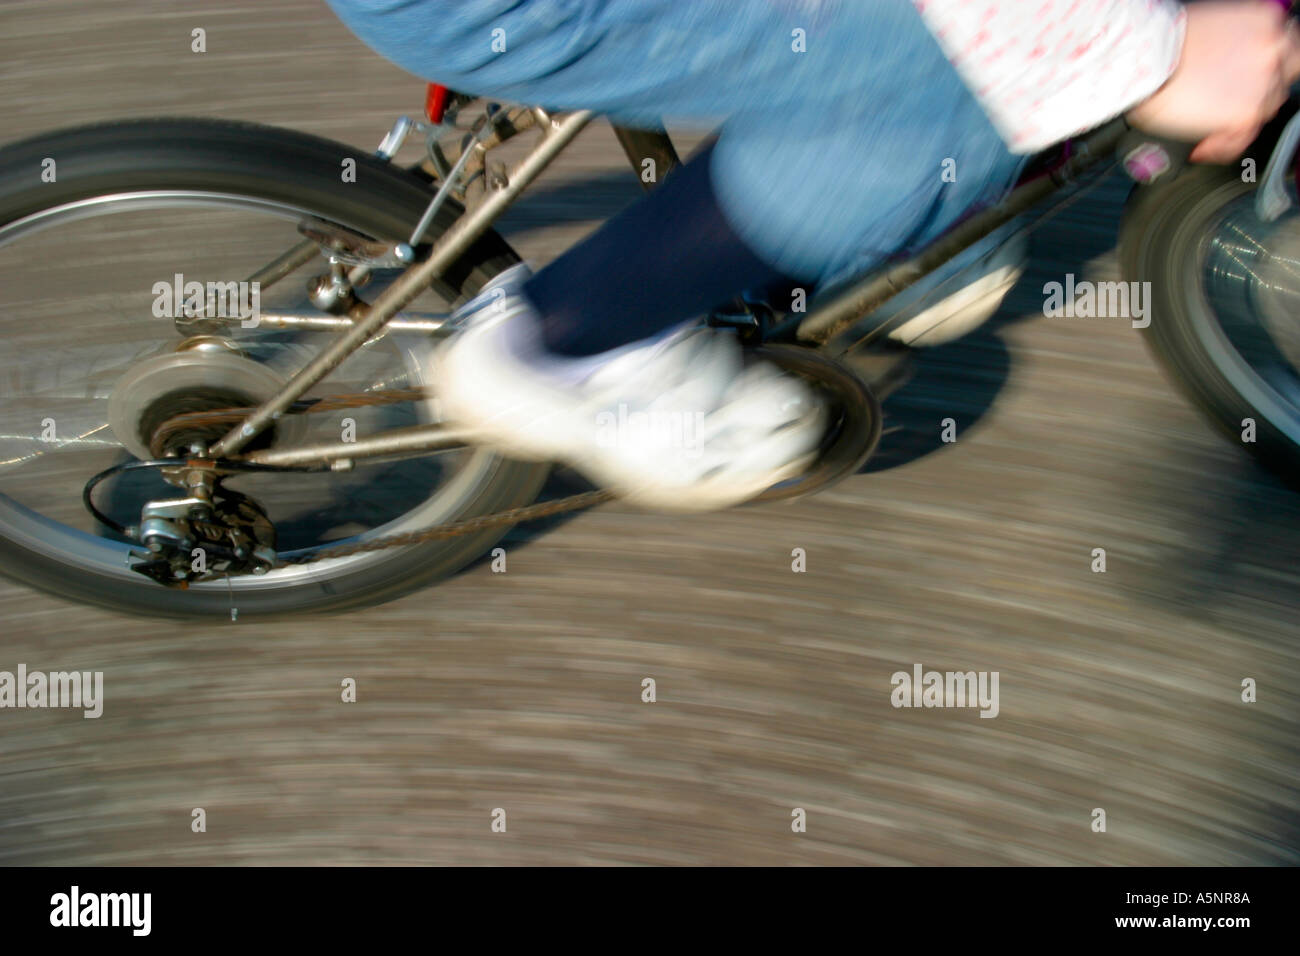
(1045, 70)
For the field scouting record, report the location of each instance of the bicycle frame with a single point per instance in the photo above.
(824, 327)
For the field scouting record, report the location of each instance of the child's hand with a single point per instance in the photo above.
(1238, 61)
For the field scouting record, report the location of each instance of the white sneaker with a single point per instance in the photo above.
(678, 423)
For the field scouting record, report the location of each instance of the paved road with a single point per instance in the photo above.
(522, 690)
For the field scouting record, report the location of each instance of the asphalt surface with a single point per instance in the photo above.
(523, 691)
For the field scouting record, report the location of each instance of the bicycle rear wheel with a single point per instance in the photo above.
(135, 204)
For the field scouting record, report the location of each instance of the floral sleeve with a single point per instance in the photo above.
(1046, 69)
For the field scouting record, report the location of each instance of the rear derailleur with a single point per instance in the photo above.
(210, 532)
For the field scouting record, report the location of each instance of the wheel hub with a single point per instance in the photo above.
(192, 380)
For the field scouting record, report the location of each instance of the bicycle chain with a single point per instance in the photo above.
(451, 529)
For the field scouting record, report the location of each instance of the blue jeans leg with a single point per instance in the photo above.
(837, 118)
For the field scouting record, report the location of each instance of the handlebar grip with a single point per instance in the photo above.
(1146, 157)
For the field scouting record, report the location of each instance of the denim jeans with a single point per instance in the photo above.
(836, 118)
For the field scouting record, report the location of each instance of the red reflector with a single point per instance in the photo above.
(435, 102)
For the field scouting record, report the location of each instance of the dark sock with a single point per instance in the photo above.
(669, 257)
